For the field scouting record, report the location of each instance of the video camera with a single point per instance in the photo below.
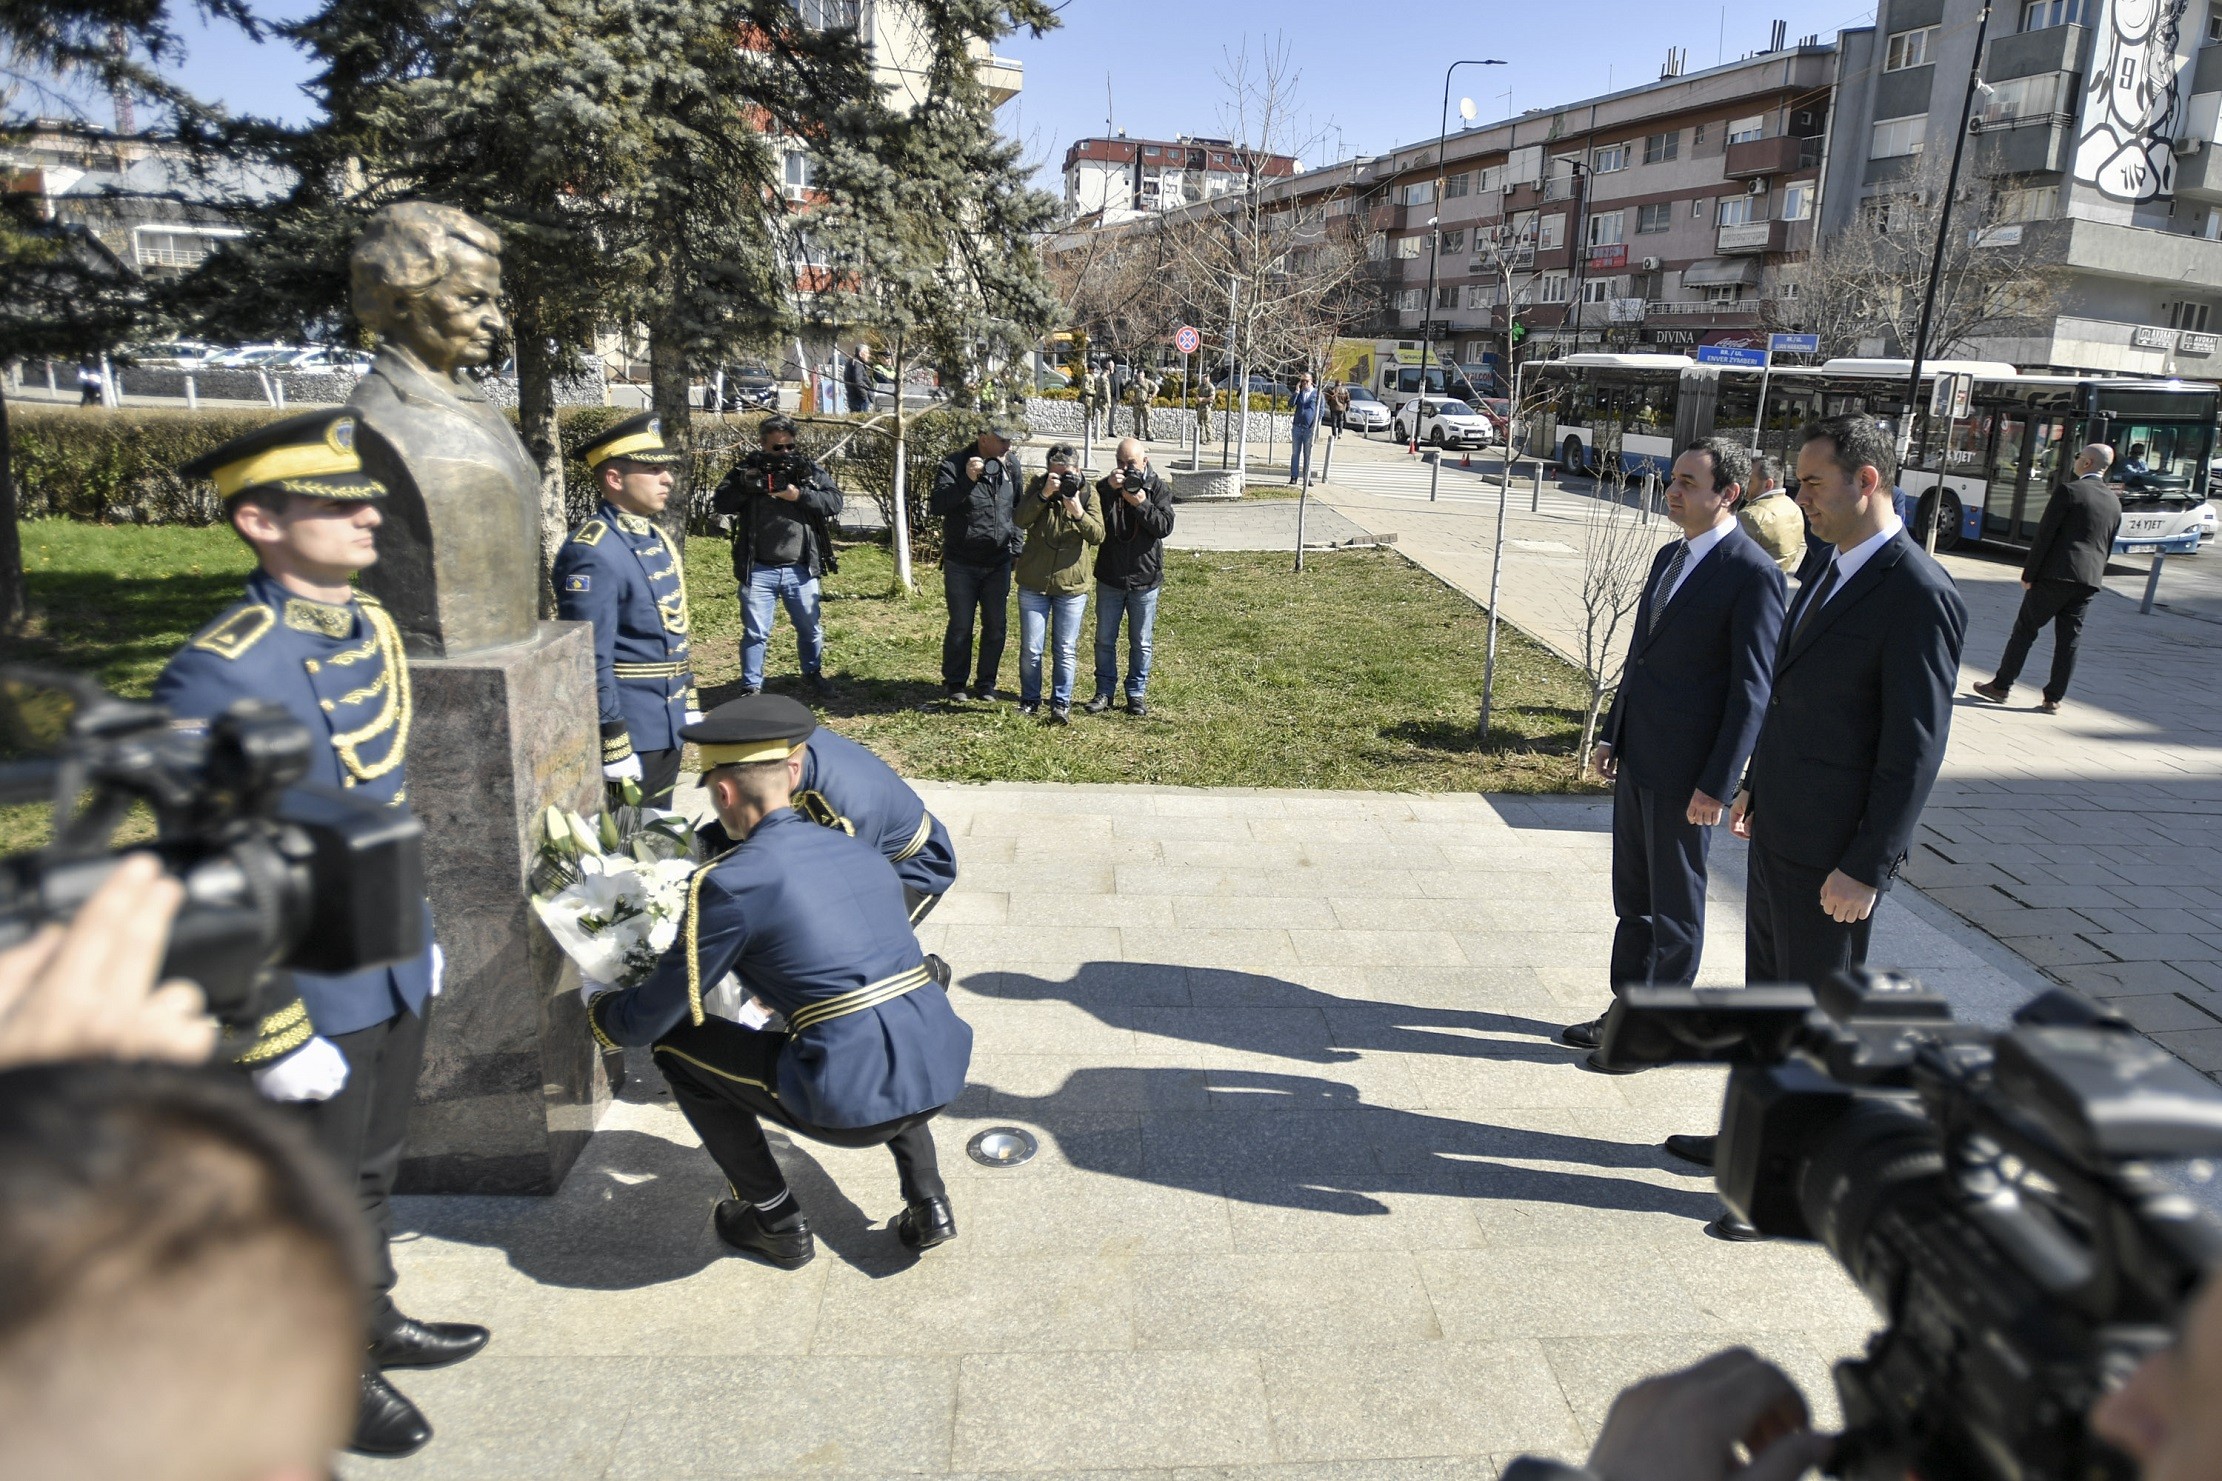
(276, 876)
(2023, 1208)
(761, 473)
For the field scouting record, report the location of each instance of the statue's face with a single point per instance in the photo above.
(459, 321)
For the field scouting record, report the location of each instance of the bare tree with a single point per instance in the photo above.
(1616, 556)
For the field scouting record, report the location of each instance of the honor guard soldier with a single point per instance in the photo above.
(843, 785)
(811, 923)
(305, 639)
(620, 573)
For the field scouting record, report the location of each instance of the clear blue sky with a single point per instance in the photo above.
(1369, 76)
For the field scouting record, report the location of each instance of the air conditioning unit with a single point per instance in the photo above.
(1652, 264)
(1759, 186)
(2189, 146)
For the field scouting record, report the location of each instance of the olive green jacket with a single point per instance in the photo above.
(1055, 560)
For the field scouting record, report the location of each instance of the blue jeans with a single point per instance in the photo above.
(1299, 449)
(768, 588)
(1034, 612)
(1140, 610)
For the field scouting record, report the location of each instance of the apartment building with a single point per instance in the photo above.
(138, 196)
(1113, 177)
(2094, 153)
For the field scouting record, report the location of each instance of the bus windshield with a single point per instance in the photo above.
(2156, 458)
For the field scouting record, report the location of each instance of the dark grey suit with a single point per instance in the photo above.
(1853, 736)
(2066, 565)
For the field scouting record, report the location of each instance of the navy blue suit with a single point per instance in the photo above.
(339, 670)
(618, 572)
(1854, 734)
(1683, 721)
(812, 922)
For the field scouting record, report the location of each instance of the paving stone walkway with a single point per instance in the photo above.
(1317, 1196)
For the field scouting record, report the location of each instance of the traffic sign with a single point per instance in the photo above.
(1186, 339)
(1794, 344)
(1730, 355)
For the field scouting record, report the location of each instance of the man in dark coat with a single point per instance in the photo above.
(975, 496)
(782, 506)
(1684, 718)
(2066, 565)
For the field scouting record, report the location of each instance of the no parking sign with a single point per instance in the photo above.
(1186, 339)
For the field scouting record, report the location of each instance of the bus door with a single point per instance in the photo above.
(2009, 454)
(1694, 408)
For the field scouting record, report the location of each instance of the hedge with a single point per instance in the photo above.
(120, 466)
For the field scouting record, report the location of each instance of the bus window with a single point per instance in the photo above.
(2158, 459)
(2045, 465)
(2005, 477)
(1732, 414)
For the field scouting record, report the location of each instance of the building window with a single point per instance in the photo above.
(2037, 15)
(1341, 205)
(1738, 210)
(1895, 137)
(1724, 292)
(2028, 97)
(1408, 247)
(1607, 228)
(1377, 248)
(1611, 157)
(1797, 200)
(1598, 290)
(827, 15)
(1454, 241)
(1489, 179)
(1745, 130)
(1408, 299)
(174, 246)
(2214, 25)
(1446, 296)
(1550, 233)
(1916, 48)
(1455, 187)
(1551, 288)
(1654, 217)
(798, 173)
(1697, 209)
(1697, 137)
(2186, 315)
(1419, 192)
(1659, 148)
(2033, 203)
(1481, 295)
(1786, 290)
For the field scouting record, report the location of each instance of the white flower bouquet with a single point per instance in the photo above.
(613, 899)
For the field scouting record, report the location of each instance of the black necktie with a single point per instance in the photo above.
(1820, 594)
(1667, 578)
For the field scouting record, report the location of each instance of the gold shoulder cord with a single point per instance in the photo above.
(398, 707)
(694, 936)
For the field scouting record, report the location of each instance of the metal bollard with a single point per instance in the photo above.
(1434, 473)
(1647, 481)
(2152, 583)
(192, 396)
(1535, 493)
(1327, 459)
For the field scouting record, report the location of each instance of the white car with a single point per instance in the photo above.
(2208, 523)
(252, 357)
(330, 358)
(1367, 414)
(1443, 423)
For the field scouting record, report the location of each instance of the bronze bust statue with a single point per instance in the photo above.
(459, 552)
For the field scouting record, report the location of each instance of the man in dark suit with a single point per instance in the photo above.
(2067, 563)
(1854, 731)
(1683, 720)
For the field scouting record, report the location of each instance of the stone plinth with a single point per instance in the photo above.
(1192, 485)
(512, 1085)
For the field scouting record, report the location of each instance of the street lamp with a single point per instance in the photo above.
(1435, 234)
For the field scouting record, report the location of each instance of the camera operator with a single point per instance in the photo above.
(782, 506)
(1130, 570)
(304, 639)
(1059, 516)
(975, 496)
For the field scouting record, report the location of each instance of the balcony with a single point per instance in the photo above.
(2053, 49)
(1764, 157)
(2200, 174)
(2107, 250)
(1752, 236)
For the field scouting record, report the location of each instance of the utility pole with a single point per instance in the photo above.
(1434, 239)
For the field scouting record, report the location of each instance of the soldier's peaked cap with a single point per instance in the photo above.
(757, 727)
(637, 439)
(313, 454)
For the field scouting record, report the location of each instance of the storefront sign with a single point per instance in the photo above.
(1612, 256)
(2152, 337)
(1745, 237)
(1671, 338)
(2198, 344)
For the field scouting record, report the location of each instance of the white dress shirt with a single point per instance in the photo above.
(1700, 546)
(1848, 562)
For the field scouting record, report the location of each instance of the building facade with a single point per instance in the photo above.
(2093, 153)
(1113, 177)
(135, 195)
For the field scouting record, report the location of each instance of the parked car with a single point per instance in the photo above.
(1443, 423)
(1261, 384)
(1499, 412)
(253, 357)
(175, 354)
(1367, 412)
(326, 358)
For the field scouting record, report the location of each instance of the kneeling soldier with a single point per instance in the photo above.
(843, 785)
(305, 639)
(812, 924)
(618, 572)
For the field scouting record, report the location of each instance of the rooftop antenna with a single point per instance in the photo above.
(1108, 131)
(1781, 34)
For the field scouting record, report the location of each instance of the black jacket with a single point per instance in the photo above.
(979, 521)
(1861, 708)
(1695, 686)
(1133, 554)
(2076, 534)
(745, 496)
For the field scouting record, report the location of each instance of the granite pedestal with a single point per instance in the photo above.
(512, 1086)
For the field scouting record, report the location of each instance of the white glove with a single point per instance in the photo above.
(694, 717)
(315, 1071)
(590, 988)
(439, 969)
(627, 770)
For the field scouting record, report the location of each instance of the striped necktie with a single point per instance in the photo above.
(1667, 578)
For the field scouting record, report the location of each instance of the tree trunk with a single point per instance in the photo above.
(667, 390)
(536, 425)
(1589, 730)
(901, 531)
(12, 604)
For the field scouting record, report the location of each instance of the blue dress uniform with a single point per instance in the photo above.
(812, 922)
(338, 668)
(620, 573)
(845, 786)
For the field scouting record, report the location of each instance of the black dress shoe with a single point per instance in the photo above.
(415, 1344)
(1098, 705)
(1698, 1149)
(387, 1423)
(1583, 1035)
(1734, 1230)
(787, 1245)
(1594, 1063)
(925, 1224)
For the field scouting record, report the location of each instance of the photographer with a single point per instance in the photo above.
(781, 504)
(1060, 520)
(1130, 569)
(975, 496)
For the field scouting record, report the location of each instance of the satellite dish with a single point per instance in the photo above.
(1467, 110)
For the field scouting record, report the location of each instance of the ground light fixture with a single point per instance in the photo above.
(1002, 1146)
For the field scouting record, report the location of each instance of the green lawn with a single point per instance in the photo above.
(1364, 672)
